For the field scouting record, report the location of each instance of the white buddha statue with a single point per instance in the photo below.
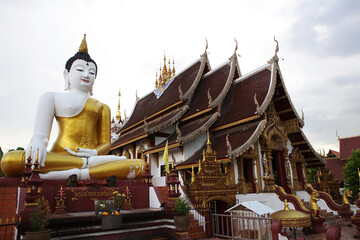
(84, 131)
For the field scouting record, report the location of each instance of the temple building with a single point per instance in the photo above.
(228, 134)
(336, 161)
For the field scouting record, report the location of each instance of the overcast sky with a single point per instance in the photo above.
(319, 42)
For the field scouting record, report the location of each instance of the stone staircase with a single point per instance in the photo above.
(195, 230)
(330, 217)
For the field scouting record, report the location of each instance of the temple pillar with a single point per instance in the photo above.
(296, 184)
(255, 174)
(243, 188)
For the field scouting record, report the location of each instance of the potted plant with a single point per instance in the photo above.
(39, 220)
(181, 219)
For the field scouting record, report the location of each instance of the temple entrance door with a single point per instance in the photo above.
(248, 174)
(278, 164)
(220, 223)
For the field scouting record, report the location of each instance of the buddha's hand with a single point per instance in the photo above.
(37, 149)
(82, 152)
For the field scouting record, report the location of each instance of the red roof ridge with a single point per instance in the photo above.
(356, 136)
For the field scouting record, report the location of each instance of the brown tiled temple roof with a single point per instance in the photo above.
(239, 103)
(232, 112)
(213, 87)
(347, 145)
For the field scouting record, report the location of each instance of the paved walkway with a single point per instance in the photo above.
(347, 233)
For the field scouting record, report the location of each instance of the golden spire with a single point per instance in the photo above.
(118, 114)
(199, 166)
(173, 70)
(83, 46)
(192, 174)
(156, 81)
(208, 149)
(169, 70)
(164, 67)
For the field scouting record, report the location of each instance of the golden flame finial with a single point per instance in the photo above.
(236, 46)
(277, 46)
(286, 205)
(83, 46)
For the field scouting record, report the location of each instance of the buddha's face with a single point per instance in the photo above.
(81, 76)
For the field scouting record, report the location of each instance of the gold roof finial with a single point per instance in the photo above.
(236, 46)
(207, 45)
(277, 46)
(118, 113)
(337, 135)
(83, 46)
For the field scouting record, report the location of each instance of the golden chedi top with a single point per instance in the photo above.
(292, 218)
(166, 73)
(118, 113)
(83, 46)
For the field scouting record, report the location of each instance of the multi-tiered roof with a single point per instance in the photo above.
(233, 107)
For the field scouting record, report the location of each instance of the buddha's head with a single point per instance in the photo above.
(80, 70)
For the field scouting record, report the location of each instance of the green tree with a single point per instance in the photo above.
(311, 175)
(351, 175)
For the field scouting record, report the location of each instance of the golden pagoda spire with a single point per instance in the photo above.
(173, 70)
(199, 166)
(192, 174)
(156, 81)
(83, 46)
(208, 149)
(118, 114)
(164, 67)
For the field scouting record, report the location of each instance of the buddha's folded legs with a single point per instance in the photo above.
(122, 169)
(13, 163)
(61, 166)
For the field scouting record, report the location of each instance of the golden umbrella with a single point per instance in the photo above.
(292, 218)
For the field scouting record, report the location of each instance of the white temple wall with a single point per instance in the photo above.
(191, 147)
(168, 130)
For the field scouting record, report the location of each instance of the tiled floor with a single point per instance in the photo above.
(347, 233)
